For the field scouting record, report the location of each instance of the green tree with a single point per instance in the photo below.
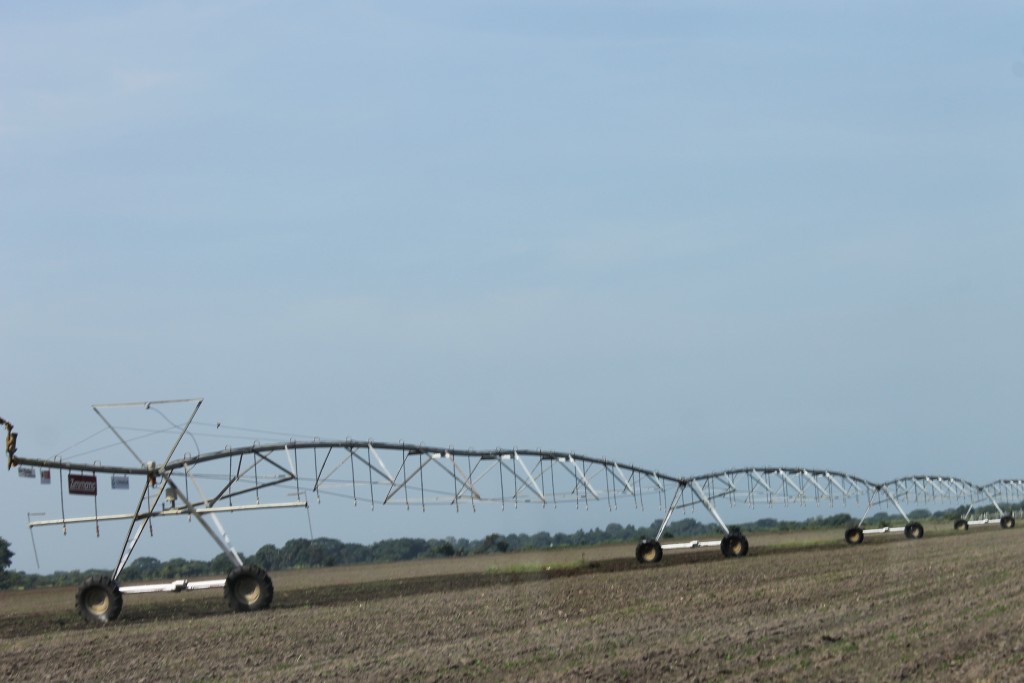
(494, 542)
(444, 549)
(222, 564)
(5, 555)
(268, 557)
(143, 568)
(839, 520)
(295, 553)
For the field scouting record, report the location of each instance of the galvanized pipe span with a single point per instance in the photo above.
(286, 474)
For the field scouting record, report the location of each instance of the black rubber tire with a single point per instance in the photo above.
(854, 535)
(1007, 522)
(248, 589)
(99, 599)
(648, 552)
(961, 525)
(735, 545)
(913, 531)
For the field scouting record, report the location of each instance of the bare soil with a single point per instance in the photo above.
(799, 607)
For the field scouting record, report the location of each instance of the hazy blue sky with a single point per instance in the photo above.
(685, 235)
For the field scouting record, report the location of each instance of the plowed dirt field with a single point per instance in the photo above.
(798, 607)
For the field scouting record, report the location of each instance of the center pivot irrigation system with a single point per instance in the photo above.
(287, 474)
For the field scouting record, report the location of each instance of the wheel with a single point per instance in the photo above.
(735, 545)
(854, 535)
(961, 525)
(248, 589)
(1007, 522)
(99, 599)
(913, 530)
(648, 551)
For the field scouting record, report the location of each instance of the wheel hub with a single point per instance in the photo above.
(247, 590)
(96, 601)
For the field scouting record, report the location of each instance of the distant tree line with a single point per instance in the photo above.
(329, 552)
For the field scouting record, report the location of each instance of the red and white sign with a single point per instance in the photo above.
(44, 477)
(82, 484)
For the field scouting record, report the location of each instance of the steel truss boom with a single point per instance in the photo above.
(399, 474)
(1009, 492)
(285, 474)
(785, 486)
(423, 476)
